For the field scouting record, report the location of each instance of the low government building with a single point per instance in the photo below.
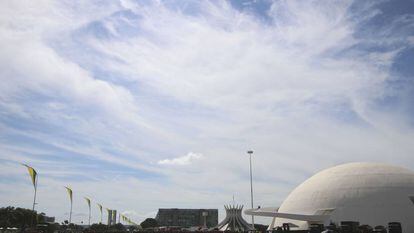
(187, 217)
(368, 193)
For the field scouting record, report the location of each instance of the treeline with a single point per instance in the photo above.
(19, 217)
(27, 220)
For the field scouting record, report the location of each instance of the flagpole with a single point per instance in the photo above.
(34, 198)
(100, 209)
(89, 223)
(70, 213)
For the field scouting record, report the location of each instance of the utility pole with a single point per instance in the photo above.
(250, 152)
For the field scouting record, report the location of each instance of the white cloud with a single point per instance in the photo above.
(183, 160)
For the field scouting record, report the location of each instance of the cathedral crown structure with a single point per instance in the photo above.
(234, 220)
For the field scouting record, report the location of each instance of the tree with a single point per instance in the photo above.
(19, 217)
(98, 227)
(134, 228)
(117, 227)
(260, 227)
(149, 222)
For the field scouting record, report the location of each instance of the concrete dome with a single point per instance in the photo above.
(369, 193)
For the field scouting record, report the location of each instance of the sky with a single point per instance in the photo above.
(141, 105)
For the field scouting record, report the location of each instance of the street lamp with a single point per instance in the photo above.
(250, 152)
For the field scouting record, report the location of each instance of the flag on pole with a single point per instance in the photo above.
(70, 193)
(89, 205)
(88, 201)
(71, 203)
(33, 176)
(32, 173)
(100, 209)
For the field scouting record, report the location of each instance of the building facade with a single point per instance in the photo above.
(187, 217)
(109, 217)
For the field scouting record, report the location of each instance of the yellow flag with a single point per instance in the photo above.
(70, 193)
(88, 201)
(32, 174)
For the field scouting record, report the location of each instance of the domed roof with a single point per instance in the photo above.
(370, 193)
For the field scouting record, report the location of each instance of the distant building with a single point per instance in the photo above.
(49, 219)
(113, 217)
(187, 217)
(109, 217)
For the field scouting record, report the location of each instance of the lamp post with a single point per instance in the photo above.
(250, 152)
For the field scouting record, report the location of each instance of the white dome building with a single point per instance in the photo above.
(370, 193)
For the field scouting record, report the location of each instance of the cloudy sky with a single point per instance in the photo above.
(147, 104)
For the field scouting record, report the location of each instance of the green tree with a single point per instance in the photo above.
(117, 227)
(149, 222)
(98, 227)
(19, 217)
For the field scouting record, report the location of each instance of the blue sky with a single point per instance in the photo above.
(148, 104)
